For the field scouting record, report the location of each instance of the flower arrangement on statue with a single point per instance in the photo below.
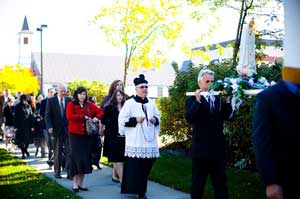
(240, 88)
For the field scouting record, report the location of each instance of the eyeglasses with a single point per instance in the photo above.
(143, 87)
(208, 81)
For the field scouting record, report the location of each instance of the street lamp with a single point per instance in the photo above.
(41, 31)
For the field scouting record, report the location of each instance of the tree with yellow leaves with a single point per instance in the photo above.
(145, 28)
(149, 29)
(17, 78)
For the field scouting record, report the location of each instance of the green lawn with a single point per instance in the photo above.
(20, 181)
(176, 172)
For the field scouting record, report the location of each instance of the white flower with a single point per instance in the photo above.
(251, 82)
(233, 81)
(262, 80)
(266, 84)
(234, 87)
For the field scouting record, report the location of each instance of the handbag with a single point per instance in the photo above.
(91, 127)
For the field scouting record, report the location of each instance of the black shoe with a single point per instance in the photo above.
(115, 180)
(28, 155)
(98, 166)
(75, 190)
(57, 176)
(50, 163)
(82, 189)
(23, 157)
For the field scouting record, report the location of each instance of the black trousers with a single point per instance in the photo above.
(23, 148)
(96, 149)
(201, 168)
(135, 175)
(61, 149)
(49, 140)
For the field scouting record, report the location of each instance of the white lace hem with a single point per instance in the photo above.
(142, 152)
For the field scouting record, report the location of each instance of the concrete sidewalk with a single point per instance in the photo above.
(99, 182)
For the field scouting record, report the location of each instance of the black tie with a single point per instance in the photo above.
(62, 106)
(211, 103)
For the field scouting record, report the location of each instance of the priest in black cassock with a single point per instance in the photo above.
(139, 122)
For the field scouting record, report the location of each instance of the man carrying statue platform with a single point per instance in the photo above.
(206, 113)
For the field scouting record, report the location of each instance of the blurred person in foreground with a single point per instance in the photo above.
(276, 126)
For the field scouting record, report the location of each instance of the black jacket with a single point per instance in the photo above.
(9, 115)
(42, 111)
(110, 120)
(53, 117)
(276, 137)
(207, 135)
(23, 117)
(23, 122)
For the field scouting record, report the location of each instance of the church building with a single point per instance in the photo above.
(64, 68)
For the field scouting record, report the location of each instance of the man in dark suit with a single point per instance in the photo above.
(276, 138)
(207, 113)
(57, 125)
(47, 143)
(276, 127)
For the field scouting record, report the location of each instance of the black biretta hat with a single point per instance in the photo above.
(140, 80)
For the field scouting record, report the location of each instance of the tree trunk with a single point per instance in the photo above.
(125, 73)
(243, 14)
(237, 38)
(126, 65)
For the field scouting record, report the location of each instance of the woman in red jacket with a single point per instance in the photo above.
(77, 112)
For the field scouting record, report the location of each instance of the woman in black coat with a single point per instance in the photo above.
(114, 144)
(23, 125)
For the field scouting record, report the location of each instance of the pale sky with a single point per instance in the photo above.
(69, 30)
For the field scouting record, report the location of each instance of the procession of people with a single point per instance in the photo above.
(57, 127)
(68, 131)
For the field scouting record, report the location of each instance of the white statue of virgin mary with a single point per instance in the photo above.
(247, 64)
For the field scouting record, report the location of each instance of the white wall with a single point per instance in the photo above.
(152, 91)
